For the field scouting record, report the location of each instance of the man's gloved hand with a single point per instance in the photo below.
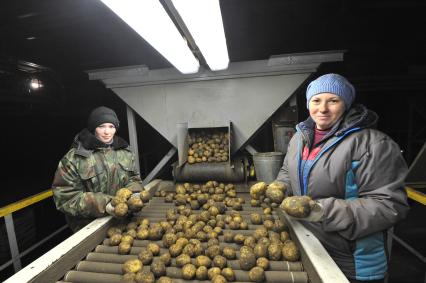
(110, 209)
(302, 208)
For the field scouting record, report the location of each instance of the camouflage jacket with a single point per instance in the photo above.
(89, 175)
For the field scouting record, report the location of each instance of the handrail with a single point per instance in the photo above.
(416, 195)
(6, 212)
(8, 209)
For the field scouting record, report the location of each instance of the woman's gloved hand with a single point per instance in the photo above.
(303, 208)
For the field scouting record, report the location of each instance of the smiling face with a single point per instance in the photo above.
(326, 109)
(105, 132)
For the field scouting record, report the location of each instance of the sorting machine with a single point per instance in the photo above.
(246, 95)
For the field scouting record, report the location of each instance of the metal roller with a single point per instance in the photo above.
(175, 272)
(234, 264)
(202, 172)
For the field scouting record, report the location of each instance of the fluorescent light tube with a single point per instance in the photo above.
(149, 19)
(203, 19)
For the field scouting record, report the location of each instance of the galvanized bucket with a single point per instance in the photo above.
(267, 165)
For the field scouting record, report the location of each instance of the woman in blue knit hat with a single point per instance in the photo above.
(353, 172)
(98, 164)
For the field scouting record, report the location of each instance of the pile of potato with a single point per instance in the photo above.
(194, 234)
(124, 201)
(208, 147)
(269, 195)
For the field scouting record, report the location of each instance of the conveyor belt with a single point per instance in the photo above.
(104, 264)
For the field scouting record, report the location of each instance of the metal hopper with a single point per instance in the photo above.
(246, 94)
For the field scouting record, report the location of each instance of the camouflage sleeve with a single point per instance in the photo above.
(70, 195)
(135, 182)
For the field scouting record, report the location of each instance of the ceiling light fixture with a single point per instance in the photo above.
(204, 21)
(149, 19)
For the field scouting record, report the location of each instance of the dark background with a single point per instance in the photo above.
(58, 40)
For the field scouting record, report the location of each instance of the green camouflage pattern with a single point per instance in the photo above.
(84, 184)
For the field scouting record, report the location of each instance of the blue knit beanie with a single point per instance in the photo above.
(332, 83)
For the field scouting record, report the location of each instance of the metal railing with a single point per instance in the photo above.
(7, 212)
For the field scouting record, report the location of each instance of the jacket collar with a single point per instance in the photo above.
(358, 116)
(85, 143)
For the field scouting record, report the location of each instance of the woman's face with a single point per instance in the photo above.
(326, 109)
(105, 132)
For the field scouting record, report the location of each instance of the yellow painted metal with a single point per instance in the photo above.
(416, 195)
(5, 210)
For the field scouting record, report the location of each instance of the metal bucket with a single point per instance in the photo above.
(267, 165)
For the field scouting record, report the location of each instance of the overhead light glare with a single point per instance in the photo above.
(149, 19)
(204, 21)
(35, 84)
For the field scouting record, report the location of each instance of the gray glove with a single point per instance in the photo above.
(316, 214)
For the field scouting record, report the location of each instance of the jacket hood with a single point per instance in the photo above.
(358, 116)
(88, 141)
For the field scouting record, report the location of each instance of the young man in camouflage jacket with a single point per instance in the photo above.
(98, 164)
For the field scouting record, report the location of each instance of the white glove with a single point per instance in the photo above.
(316, 215)
(110, 209)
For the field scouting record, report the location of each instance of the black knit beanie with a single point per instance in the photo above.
(102, 115)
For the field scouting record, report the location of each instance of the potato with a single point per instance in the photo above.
(228, 273)
(166, 258)
(164, 279)
(214, 271)
(188, 271)
(124, 193)
(169, 239)
(290, 251)
(247, 259)
(213, 251)
(298, 206)
(257, 190)
(263, 262)
(142, 234)
(229, 253)
(127, 238)
(201, 273)
(124, 248)
(175, 250)
(182, 260)
(128, 278)
(116, 200)
(257, 274)
(155, 232)
(260, 232)
(115, 240)
(132, 266)
(154, 248)
(275, 195)
(255, 219)
(144, 276)
(218, 279)
(260, 250)
(158, 268)
(203, 260)
(145, 256)
(274, 251)
(250, 241)
(239, 239)
(145, 196)
(134, 203)
(112, 231)
(121, 209)
(219, 261)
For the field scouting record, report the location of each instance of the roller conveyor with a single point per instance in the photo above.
(105, 259)
(102, 263)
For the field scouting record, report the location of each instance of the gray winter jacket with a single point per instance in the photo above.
(358, 177)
